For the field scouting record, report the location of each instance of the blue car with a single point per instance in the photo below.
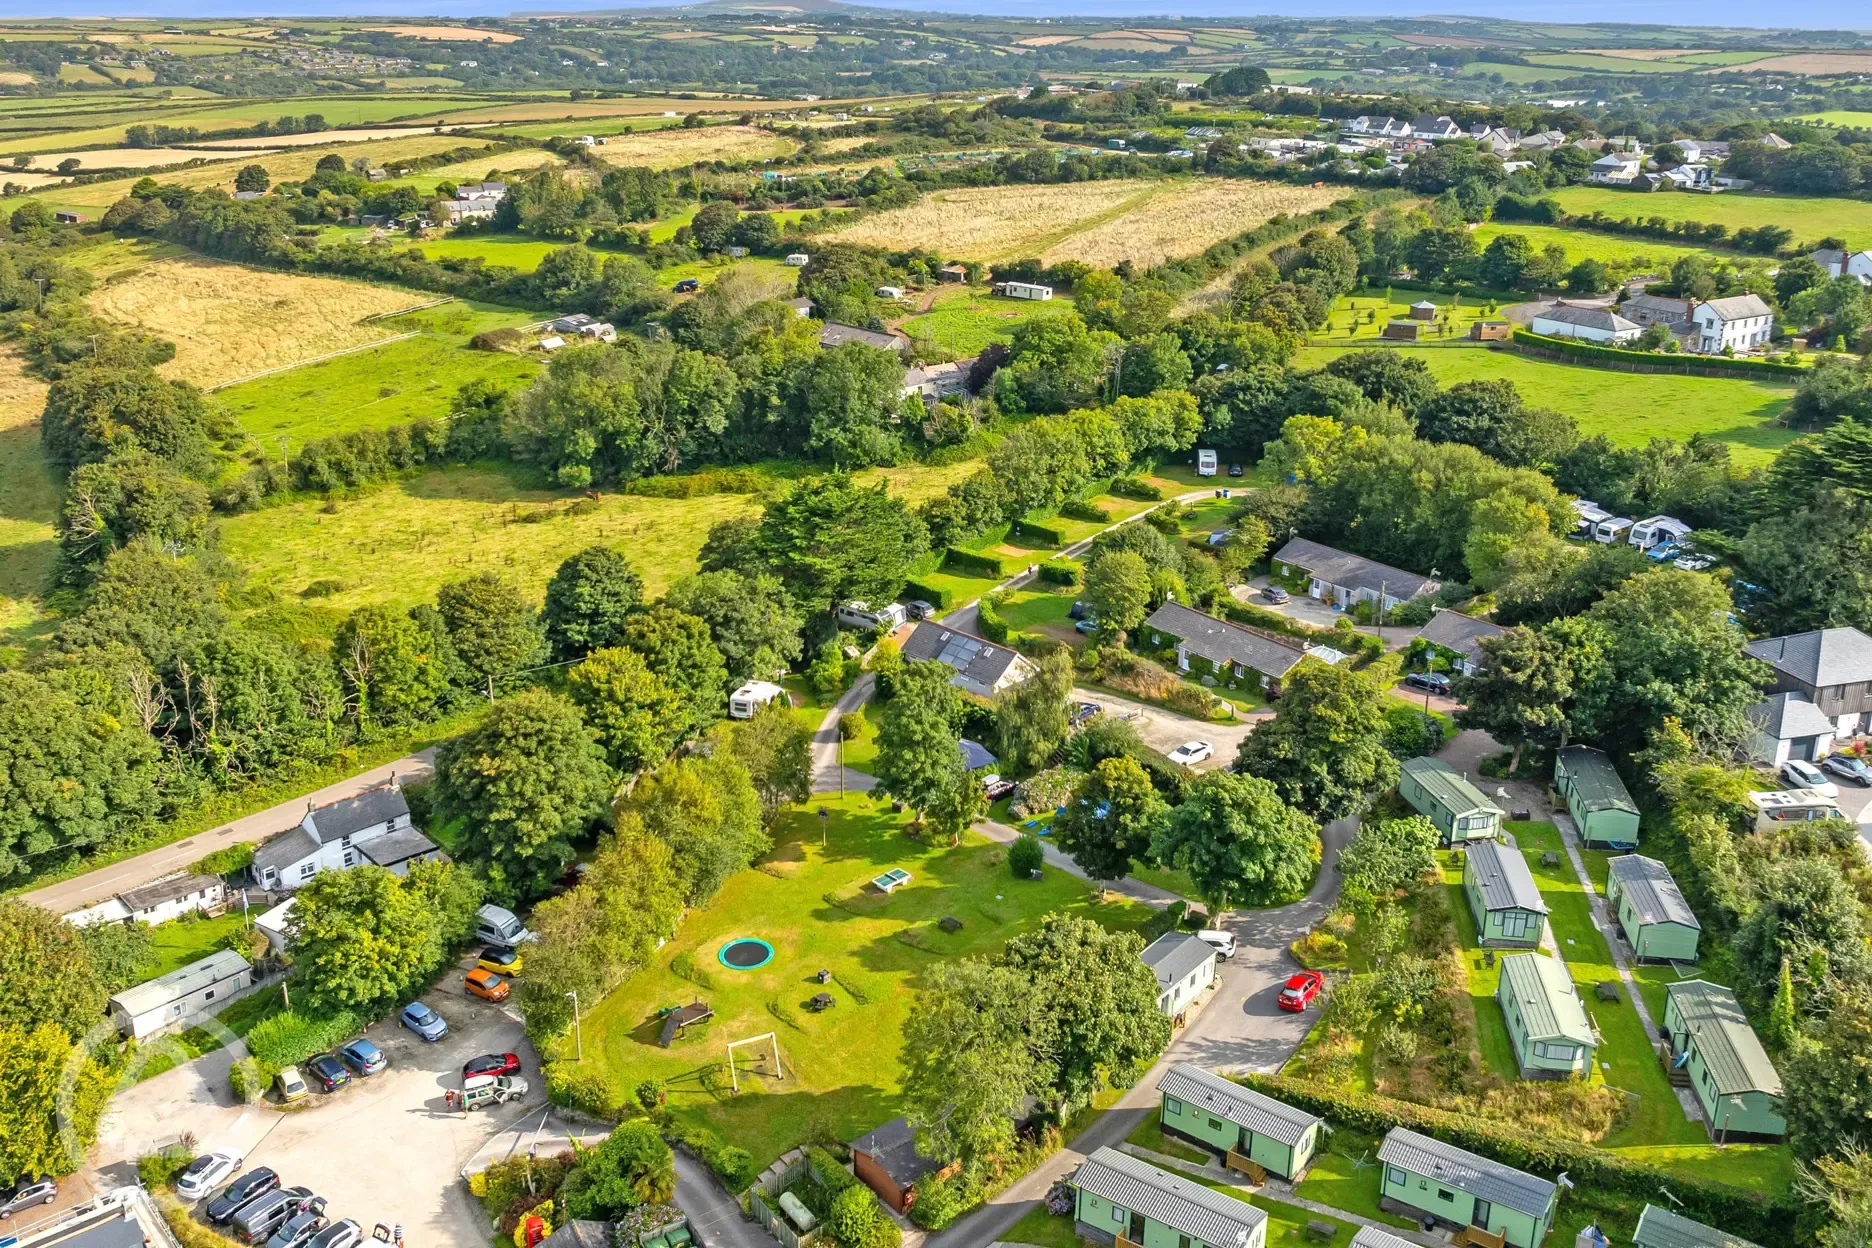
(329, 1071)
(424, 1021)
(363, 1057)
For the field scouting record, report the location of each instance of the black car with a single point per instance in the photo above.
(1235, 470)
(328, 1071)
(27, 1193)
(256, 1182)
(1434, 682)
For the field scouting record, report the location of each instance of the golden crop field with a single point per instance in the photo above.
(228, 321)
(15, 78)
(1001, 222)
(1819, 63)
(132, 157)
(1645, 54)
(566, 110)
(667, 149)
(320, 138)
(460, 34)
(27, 537)
(1185, 220)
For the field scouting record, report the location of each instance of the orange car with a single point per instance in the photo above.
(485, 984)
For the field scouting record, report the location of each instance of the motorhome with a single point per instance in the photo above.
(1785, 806)
(1589, 514)
(1612, 530)
(860, 615)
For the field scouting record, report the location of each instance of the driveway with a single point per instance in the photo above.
(1313, 613)
(1164, 730)
(383, 1149)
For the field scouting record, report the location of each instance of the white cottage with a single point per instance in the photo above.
(156, 902)
(372, 827)
(1739, 322)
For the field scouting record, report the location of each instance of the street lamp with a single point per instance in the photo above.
(578, 1032)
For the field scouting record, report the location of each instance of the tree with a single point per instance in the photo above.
(706, 810)
(47, 977)
(1242, 80)
(849, 398)
(1828, 1098)
(1391, 377)
(1239, 841)
(494, 630)
(676, 646)
(776, 748)
(1520, 692)
(122, 953)
(749, 617)
(1026, 856)
(831, 540)
(1056, 363)
(1802, 905)
(252, 178)
(582, 419)
(392, 669)
(524, 782)
(1506, 261)
(1386, 856)
(114, 502)
(1111, 820)
(1152, 363)
(630, 1167)
(1118, 589)
(919, 761)
(1842, 1185)
(968, 1061)
(1324, 749)
(1030, 718)
(587, 601)
(637, 716)
(37, 1062)
(359, 940)
(94, 411)
(713, 227)
(757, 231)
(1782, 1026)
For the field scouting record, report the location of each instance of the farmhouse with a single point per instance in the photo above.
(1658, 923)
(1552, 1036)
(1602, 810)
(1737, 323)
(1341, 579)
(1184, 966)
(174, 1001)
(935, 382)
(983, 668)
(1238, 1122)
(1455, 806)
(1715, 1049)
(1830, 667)
(887, 1161)
(1502, 895)
(1122, 1201)
(1656, 310)
(1425, 1177)
(157, 902)
(1845, 264)
(1227, 652)
(1660, 1228)
(372, 827)
(1458, 638)
(837, 335)
(1588, 324)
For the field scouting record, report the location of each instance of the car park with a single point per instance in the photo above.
(1848, 767)
(501, 959)
(345, 1234)
(424, 1021)
(259, 1218)
(328, 1072)
(1299, 991)
(291, 1085)
(1276, 594)
(1430, 682)
(207, 1172)
(1800, 775)
(491, 1064)
(256, 1182)
(301, 1227)
(1191, 752)
(1222, 942)
(26, 1193)
(483, 983)
(363, 1057)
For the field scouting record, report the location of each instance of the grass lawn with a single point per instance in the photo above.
(1337, 1180)
(1363, 316)
(182, 941)
(813, 903)
(1039, 607)
(1623, 252)
(1631, 410)
(966, 319)
(1043, 1230)
(1810, 217)
(1287, 1224)
(1149, 1134)
(1491, 1030)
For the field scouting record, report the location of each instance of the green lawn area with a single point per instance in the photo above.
(1287, 1224)
(1363, 316)
(966, 319)
(1149, 1134)
(1042, 608)
(1609, 64)
(182, 941)
(1491, 1031)
(1810, 217)
(1623, 253)
(1841, 117)
(1043, 1230)
(1337, 1180)
(813, 903)
(1630, 410)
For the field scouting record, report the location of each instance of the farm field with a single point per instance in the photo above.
(1609, 64)
(1811, 218)
(1188, 219)
(131, 157)
(29, 500)
(1629, 409)
(966, 320)
(1841, 117)
(1817, 63)
(1631, 255)
(669, 149)
(321, 138)
(219, 114)
(1361, 317)
(229, 321)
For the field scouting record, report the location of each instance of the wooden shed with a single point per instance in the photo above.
(1403, 331)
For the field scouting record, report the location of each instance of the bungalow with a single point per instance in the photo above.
(1502, 895)
(837, 335)
(1341, 579)
(1184, 966)
(1238, 1122)
(1459, 638)
(1830, 667)
(174, 1001)
(1660, 1228)
(1788, 726)
(1736, 323)
(372, 827)
(1455, 806)
(1588, 324)
(1715, 1049)
(1615, 169)
(887, 1161)
(1426, 1178)
(1658, 923)
(1552, 1037)
(157, 902)
(1128, 1203)
(1428, 127)
(935, 382)
(1602, 810)
(983, 668)
(1223, 651)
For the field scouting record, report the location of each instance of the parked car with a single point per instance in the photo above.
(1695, 562)
(1663, 551)
(1079, 610)
(301, 1227)
(1301, 988)
(486, 1091)
(424, 1021)
(491, 1064)
(1083, 712)
(688, 285)
(1085, 625)
(996, 788)
(1434, 682)
(292, 1087)
(256, 1182)
(1801, 775)
(328, 1072)
(1222, 942)
(1235, 470)
(207, 1172)
(483, 983)
(260, 1217)
(1848, 767)
(920, 610)
(501, 959)
(345, 1234)
(1191, 752)
(363, 1057)
(495, 925)
(26, 1193)
(1276, 594)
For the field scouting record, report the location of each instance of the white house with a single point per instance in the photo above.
(983, 668)
(274, 924)
(1845, 264)
(1615, 169)
(1184, 966)
(1739, 322)
(157, 902)
(174, 1001)
(1427, 127)
(936, 382)
(1588, 324)
(372, 827)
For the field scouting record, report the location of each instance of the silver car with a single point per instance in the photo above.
(206, 1173)
(1848, 767)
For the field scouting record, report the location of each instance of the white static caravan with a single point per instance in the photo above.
(1027, 290)
(747, 701)
(1786, 806)
(797, 260)
(1205, 463)
(172, 1002)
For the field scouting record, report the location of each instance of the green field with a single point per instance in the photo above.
(1623, 254)
(1362, 316)
(182, 941)
(1841, 117)
(1810, 217)
(969, 319)
(1629, 409)
(1609, 64)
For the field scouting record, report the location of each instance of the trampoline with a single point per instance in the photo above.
(745, 953)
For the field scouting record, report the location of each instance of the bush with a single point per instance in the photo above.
(187, 1231)
(1042, 534)
(938, 598)
(829, 1172)
(500, 340)
(584, 1090)
(650, 1094)
(1059, 572)
(249, 1080)
(733, 1165)
(1025, 856)
(158, 1170)
(973, 563)
(1080, 509)
(225, 861)
(1413, 614)
(322, 588)
(290, 1037)
(988, 620)
(1409, 733)
(1138, 488)
(850, 724)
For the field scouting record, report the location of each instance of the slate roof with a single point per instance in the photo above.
(976, 658)
(1826, 656)
(1466, 1172)
(1738, 307)
(1338, 567)
(280, 852)
(156, 993)
(1220, 641)
(1447, 785)
(1182, 1204)
(1786, 716)
(1676, 309)
(1721, 1032)
(1543, 991)
(1653, 891)
(352, 815)
(152, 895)
(1174, 955)
(1503, 873)
(1372, 1237)
(1461, 633)
(1593, 778)
(893, 1147)
(1660, 1228)
(976, 756)
(835, 334)
(1244, 1107)
(1587, 318)
(394, 847)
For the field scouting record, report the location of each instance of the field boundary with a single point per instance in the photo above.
(1633, 366)
(420, 307)
(319, 359)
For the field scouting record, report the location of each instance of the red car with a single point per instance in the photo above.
(1302, 987)
(492, 1064)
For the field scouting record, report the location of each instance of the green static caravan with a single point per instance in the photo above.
(1602, 810)
(1457, 808)
(1218, 1113)
(1552, 1036)
(1658, 923)
(1660, 1228)
(1713, 1046)
(1218, 651)
(1122, 1201)
(1372, 1237)
(1424, 1177)
(1502, 896)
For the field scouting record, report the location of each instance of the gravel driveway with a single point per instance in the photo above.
(1164, 730)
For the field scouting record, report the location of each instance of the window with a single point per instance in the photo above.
(1215, 1124)
(1173, 1106)
(1441, 1194)
(209, 995)
(307, 870)
(1118, 1215)
(1394, 1175)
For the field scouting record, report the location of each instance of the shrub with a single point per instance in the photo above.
(1043, 534)
(324, 587)
(158, 1170)
(584, 1090)
(224, 861)
(499, 340)
(1059, 572)
(290, 1037)
(1409, 733)
(973, 563)
(1025, 856)
(828, 1171)
(1080, 509)
(988, 619)
(733, 1165)
(853, 1215)
(684, 964)
(1589, 353)
(1138, 488)
(248, 1080)
(850, 725)
(650, 1094)
(187, 1231)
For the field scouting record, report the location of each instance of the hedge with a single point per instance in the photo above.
(1038, 533)
(1651, 361)
(989, 621)
(974, 563)
(938, 598)
(1138, 488)
(1080, 509)
(1767, 1222)
(1059, 572)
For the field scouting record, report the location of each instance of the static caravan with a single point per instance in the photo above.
(1661, 1228)
(1127, 1203)
(1251, 1130)
(1718, 1054)
(1602, 809)
(747, 701)
(1502, 896)
(1426, 1178)
(1553, 1038)
(797, 260)
(1458, 809)
(174, 1001)
(1658, 531)
(1658, 923)
(1026, 290)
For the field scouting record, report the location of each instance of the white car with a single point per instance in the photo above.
(1191, 752)
(1222, 942)
(1695, 562)
(206, 1173)
(1807, 776)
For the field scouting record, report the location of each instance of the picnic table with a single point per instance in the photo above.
(1323, 1231)
(820, 1001)
(891, 880)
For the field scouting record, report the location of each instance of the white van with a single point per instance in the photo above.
(496, 926)
(860, 615)
(1786, 806)
(1205, 463)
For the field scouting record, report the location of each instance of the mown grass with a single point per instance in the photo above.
(1338, 1180)
(1149, 1133)
(1810, 217)
(1622, 252)
(1491, 1030)
(1043, 1230)
(968, 319)
(1287, 1224)
(182, 941)
(1363, 316)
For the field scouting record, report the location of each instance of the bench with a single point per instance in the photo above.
(891, 880)
(1322, 1231)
